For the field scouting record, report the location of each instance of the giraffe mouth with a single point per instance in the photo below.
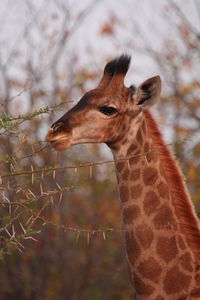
(59, 143)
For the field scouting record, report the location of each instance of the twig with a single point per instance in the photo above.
(75, 167)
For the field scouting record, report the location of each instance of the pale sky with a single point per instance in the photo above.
(145, 16)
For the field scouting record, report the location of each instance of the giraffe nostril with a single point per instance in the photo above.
(58, 126)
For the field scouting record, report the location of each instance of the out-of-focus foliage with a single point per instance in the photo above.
(56, 224)
(60, 221)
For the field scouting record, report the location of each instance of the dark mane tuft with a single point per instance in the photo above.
(119, 65)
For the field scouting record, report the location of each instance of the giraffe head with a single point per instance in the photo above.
(103, 115)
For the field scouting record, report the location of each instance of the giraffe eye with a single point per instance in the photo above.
(107, 110)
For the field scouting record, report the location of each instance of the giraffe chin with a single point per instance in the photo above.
(61, 145)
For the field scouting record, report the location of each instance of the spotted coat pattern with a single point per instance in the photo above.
(162, 265)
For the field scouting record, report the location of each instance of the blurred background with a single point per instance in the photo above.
(60, 223)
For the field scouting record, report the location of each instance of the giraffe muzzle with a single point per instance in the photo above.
(59, 141)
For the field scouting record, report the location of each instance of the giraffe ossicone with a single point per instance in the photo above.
(162, 232)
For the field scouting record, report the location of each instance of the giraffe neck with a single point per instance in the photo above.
(158, 252)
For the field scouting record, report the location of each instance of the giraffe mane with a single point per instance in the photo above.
(184, 210)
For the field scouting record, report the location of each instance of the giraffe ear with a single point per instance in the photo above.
(148, 93)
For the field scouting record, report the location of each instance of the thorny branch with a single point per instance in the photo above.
(85, 165)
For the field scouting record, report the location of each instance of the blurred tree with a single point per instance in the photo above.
(56, 235)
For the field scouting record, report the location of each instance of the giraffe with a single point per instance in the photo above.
(161, 230)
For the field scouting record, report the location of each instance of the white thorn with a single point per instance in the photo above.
(90, 172)
(77, 237)
(41, 191)
(60, 199)
(32, 177)
(88, 238)
(24, 230)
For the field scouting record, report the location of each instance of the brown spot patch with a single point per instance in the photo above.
(176, 281)
(136, 191)
(131, 213)
(132, 149)
(195, 293)
(159, 298)
(197, 278)
(166, 248)
(151, 156)
(163, 190)
(135, 159)
(132, 247)
(151, 202)
(181, 243)
(185, 261)
(163, 218)
(150, 269)
(150, 176)
(141, 287)
(125, 174)
(144, 235)
(135, 174)
(197, 267)
(120, 165)
(124, 193)
(183, 297)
